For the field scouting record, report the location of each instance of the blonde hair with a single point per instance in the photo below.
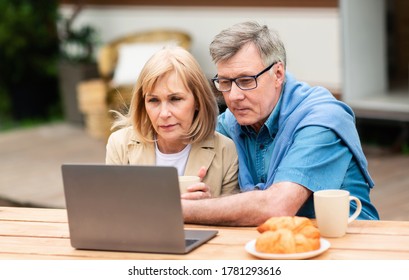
(188, 70)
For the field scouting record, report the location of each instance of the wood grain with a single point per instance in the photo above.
(34, 233)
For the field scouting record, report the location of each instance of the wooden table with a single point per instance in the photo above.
(34, 233)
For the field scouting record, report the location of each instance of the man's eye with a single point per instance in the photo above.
(245, 81)
(224, 82)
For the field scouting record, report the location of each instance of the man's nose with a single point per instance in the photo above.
(236, 93)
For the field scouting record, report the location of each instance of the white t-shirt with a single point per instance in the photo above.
(178, 160)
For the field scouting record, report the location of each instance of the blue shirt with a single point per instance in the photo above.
(260, 146)
(310, 150)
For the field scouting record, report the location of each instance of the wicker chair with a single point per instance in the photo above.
(96, 97)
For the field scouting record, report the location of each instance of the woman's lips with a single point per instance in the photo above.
(167, 126)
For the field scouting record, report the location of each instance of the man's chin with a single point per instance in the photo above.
(244, 121)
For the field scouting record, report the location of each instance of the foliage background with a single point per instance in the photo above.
(29, 51)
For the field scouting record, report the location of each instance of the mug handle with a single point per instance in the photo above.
(357, 210)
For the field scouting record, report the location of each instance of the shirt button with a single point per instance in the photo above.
(261, 146)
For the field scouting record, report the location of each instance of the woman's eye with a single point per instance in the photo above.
(152, 100)
(176, 98)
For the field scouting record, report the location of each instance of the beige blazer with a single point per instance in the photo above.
(217, 153)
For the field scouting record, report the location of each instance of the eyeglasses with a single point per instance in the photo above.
(244, 83)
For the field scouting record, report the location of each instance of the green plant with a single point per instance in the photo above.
(76, 44)
(28, 38)
(405, 148)
(28, 58)
(5, 114)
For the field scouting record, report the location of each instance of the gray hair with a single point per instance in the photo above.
(229, 41)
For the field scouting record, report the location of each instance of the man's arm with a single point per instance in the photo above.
(248, 208)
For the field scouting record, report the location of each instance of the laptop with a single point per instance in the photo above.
(127, 208)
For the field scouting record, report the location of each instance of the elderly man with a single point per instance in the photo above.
(292, 139)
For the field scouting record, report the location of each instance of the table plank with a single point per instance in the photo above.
(52, 248)
(34, 229)
(61, 247)
(33, 214)
(379, 227)
(375, 242)
(342, 254)
(32, 233)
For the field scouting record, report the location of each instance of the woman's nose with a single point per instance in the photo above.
(164, 111)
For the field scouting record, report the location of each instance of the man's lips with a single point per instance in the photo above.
(241, 109)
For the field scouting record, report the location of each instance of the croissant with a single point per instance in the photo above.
(286, 235)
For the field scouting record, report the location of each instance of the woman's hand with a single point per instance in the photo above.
(199, 190)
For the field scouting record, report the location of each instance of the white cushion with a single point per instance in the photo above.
(131, 59)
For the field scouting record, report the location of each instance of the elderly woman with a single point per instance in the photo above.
(171, 121)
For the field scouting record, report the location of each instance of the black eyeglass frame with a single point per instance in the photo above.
(216, 79)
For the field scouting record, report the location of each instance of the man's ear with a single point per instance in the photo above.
(279, 73)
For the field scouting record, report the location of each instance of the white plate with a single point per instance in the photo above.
(251, 248)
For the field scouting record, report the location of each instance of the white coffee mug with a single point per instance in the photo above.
(186, 181)
(332, 211)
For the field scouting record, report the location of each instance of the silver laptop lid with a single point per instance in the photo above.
(124, 208)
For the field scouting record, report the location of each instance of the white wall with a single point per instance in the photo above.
(311, 36)
(364, 49)
(365, 62)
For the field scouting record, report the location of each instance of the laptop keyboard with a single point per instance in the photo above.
(189, 242)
